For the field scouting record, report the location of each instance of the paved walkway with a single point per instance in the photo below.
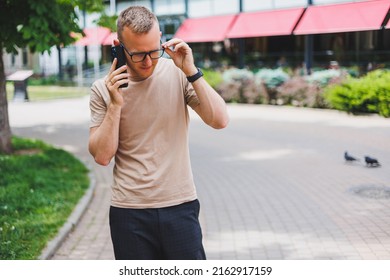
(273, 185)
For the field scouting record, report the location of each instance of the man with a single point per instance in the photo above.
(154, 208)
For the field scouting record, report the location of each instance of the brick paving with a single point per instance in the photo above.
(272, 185)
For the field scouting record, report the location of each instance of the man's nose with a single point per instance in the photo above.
(147, 61)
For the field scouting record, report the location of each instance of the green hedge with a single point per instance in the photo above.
(323, 89)
(369, 94)
(214, 78)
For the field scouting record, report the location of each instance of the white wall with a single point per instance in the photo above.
(120, 6)
(197, 8)
(204, 8)
(254, 5)
(49, 62)
(169, 7)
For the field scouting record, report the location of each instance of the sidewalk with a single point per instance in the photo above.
(272, 185)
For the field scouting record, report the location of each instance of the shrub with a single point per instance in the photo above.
(235, 74)
(299, 92)
(214, 78)
(369, 94)
(230, 91)
(270, 79)
(323, 77)
(238, 86)
(43, 81)
(307, 91)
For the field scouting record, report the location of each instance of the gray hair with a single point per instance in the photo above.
(139, 19)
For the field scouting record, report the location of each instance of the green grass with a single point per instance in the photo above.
(39, 187)
(37, 93)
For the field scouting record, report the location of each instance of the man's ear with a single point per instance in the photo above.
(116, 42)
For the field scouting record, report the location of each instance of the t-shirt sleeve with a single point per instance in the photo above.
(98, 103)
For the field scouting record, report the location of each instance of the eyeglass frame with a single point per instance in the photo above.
(144, 53)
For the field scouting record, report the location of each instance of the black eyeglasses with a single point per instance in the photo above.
(140, 56)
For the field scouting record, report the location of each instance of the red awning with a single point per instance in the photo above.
(349, 17)
(94, 36)
(210, 29)
(109, 39)
(266, 23)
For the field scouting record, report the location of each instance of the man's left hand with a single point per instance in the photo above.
(181, 54)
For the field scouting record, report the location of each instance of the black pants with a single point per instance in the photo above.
(171, 233)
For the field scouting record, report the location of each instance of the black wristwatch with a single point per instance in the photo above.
(193, 78)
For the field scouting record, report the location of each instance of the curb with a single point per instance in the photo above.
(53, 245)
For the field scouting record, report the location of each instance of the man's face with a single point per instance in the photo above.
(136, 43)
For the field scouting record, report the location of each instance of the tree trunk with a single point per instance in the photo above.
(5, 130)
(60, 70)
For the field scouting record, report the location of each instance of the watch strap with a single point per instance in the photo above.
(193, 78)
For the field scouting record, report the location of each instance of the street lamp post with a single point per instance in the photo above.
(112, 7)
(153, 6)
(309, 48)
(241, 44)
(186, 8)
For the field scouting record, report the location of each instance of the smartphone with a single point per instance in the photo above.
(119, 53)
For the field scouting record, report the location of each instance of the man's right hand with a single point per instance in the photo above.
(114, 79)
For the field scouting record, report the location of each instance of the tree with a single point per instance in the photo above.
(107, 21)
(38, 25)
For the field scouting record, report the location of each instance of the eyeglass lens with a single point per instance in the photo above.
(138, 57)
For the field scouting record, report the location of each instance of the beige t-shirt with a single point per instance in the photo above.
(152, 164)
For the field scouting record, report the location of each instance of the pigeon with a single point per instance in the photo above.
(349, 158)
(371, 161)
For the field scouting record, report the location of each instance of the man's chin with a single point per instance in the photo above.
(145, 72)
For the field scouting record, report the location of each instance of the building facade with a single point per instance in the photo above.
(361, 46)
